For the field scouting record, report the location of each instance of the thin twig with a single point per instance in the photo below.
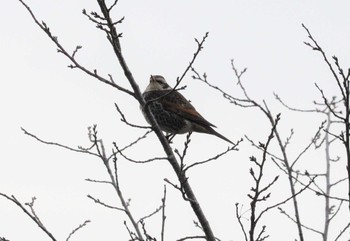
(150, 215)
(163, 215)
(256, 189)
(191, 237)
(77, 228)
(75, 63)
(286, 200)
(34, 217)
(203, 78)
(313, 141)
(98, 201)
(195, 55)
(57, 144)
(318, 48)
(98, 181)
(304, 226)
(232, 148)
(119, 151)
(342, 232)
(132, 143)
(239, 217)
(123, 119)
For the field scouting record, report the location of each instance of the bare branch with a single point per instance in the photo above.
(239, 217)
(342, 232)
(98, 201)
(57, 144)
(261, 148)
(77, 228)
(313, 141)
(75, 64)
(113, 37)
(113, 5)
(149, 215)
(199, 48)
(132, 143)
(232, 148)
(123, 119)
(93, 16)
(148, 237)
(98, 181)
(163, 215)
(256, 189)
(328, 105)
(191, 237)
(132, 234)
(318, 48)
(119, 151)
(180, 188)
(339, 181)
(104, 22)
(306, 227)
(184, 152)
(31, 214)
(287, 199)
(227, 96)
(292, 108)
(125, 204)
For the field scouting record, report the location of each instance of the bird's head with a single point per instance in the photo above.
(157, 82)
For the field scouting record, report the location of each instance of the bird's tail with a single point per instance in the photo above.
(221, 136)
(210, 130)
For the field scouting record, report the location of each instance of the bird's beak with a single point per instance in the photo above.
(151, 79)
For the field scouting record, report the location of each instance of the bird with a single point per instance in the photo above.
(172, 111)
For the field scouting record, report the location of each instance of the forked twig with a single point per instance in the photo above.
(30, 214)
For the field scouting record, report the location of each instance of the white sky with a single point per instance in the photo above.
(38, 92)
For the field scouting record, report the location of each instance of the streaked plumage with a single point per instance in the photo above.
(175, 114)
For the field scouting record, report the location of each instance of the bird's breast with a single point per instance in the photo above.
(168, 120)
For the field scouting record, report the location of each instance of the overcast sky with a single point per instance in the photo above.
(39, 93)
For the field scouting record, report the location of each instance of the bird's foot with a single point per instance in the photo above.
(170, 137)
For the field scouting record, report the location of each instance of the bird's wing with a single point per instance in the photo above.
(177, 103)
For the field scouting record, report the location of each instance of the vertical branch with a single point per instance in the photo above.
(327, 210)
(239, 219)
(328, 111)
(347, 131)
(343, 85)
(113, 37)
(291, 183)
(257, 189)
(163, 215)
(109, 27)
(248, 102)
(113, 175)
(115, 183)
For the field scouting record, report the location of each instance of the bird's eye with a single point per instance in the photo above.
(161, 83)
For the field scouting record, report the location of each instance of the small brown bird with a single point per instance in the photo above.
(173, 113)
